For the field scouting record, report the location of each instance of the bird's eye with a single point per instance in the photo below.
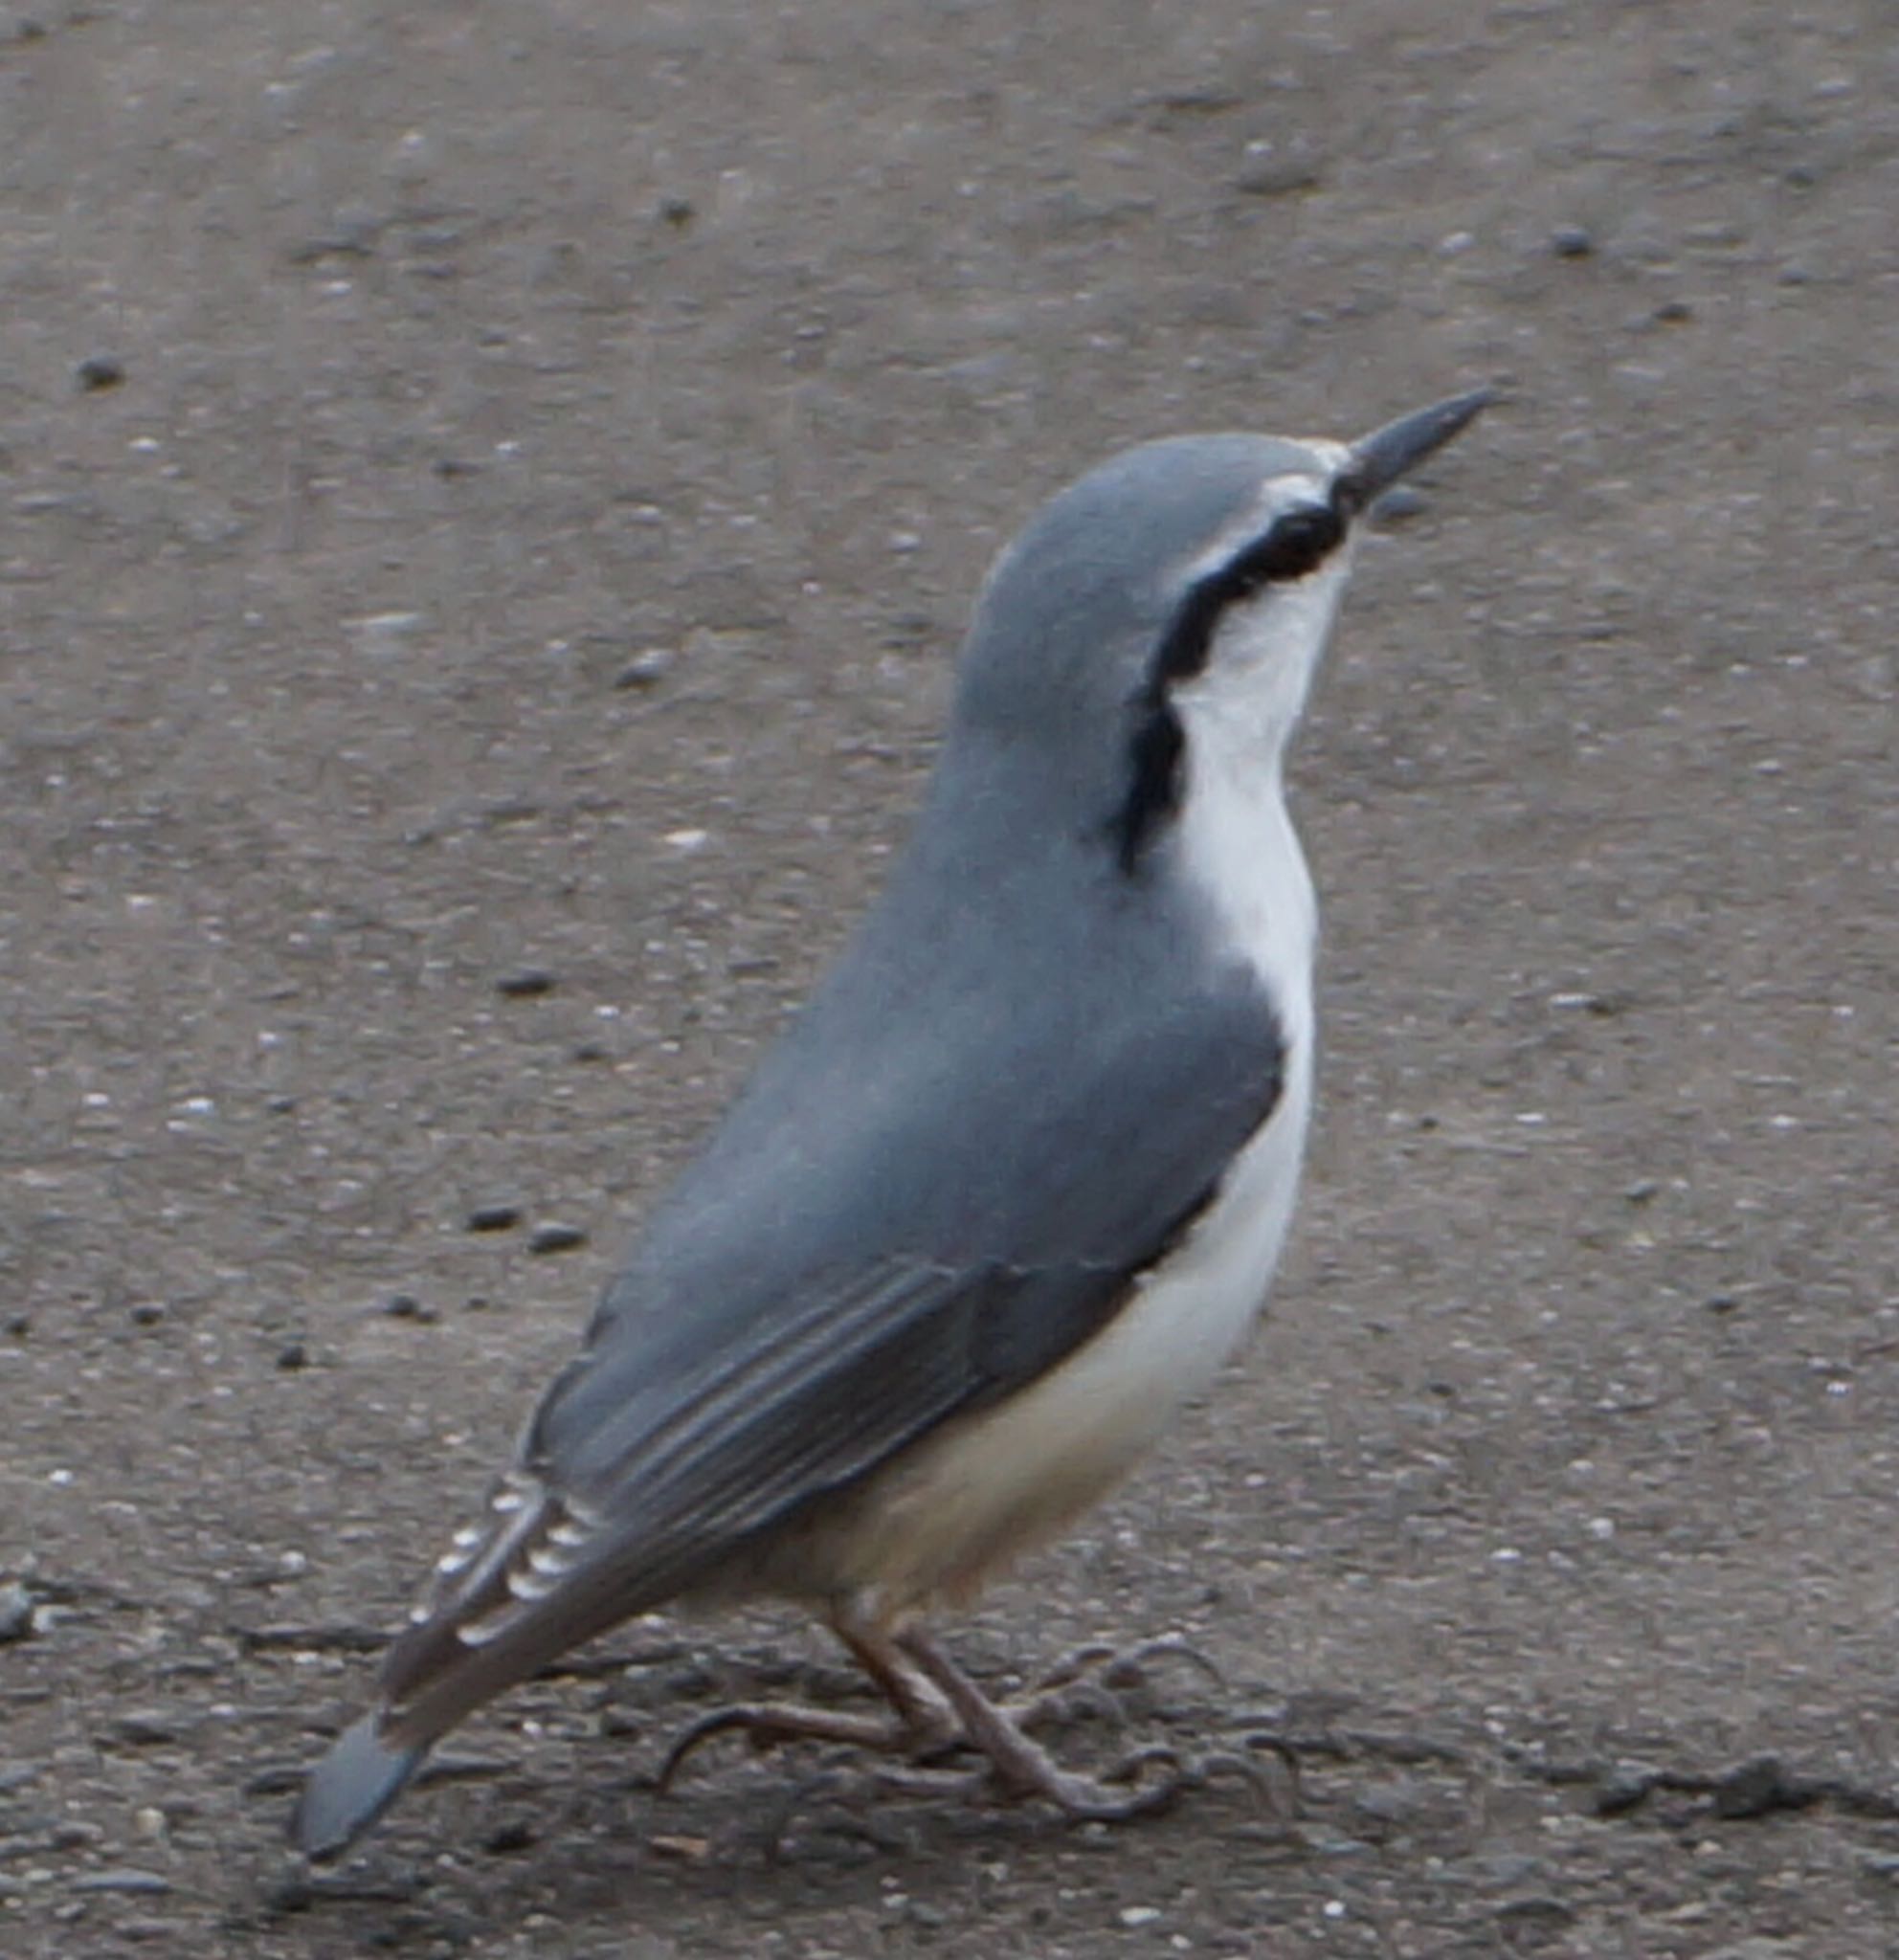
(1297, 543)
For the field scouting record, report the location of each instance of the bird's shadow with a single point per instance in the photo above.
(564, 1831)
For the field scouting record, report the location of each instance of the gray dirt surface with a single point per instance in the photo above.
(487, 497)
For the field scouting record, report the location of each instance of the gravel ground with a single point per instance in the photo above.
(486, 495)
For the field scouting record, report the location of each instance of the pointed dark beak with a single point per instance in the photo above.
(1383, 456)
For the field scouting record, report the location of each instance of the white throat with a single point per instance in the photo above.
(1234, 837)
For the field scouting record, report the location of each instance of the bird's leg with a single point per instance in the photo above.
(925, 1723)
(929, 1720)
(1023, 1768)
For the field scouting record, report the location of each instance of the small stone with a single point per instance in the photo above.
(1572, 241)
(554, 1238)
(17, 1612)
(1672, 312)
(1536, 1909)
(292, 1356)
(676, 212)
(1279, 173)
(97, 373)
(1757, 1786)
(1722, 1302)
(405, 1307)
(292, 1894)
(1400, 501)
(142, 1728)
(148, 1313)
(496, 1218)
(517, 1835)
(123, 1878)
(1138, 1915)
(674, 1844)
(1623, 1788)
(526, 985)
(18, 1324)
(1403, 1800)
(646, 669)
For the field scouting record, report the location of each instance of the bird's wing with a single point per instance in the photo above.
(803, 1310)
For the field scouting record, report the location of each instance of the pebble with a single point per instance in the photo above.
(148, 1313)
(142, 1727)
(97, 373)
(1572, 241)
(122, 1879)
(1138, 1915)
(1400, 1801)
(16, 1620)
(1279, 174)
(646, 669)
(1537, 1908)
(526, 985)
(497, 1217)
(405, 1307)
(292, 1356)
(1755, 1788)
(554, 1238)
(1400, 501)
(1623, 1788)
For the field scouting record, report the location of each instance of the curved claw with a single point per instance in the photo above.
(703, 1731)
(768, 1723)
(1089, 1801)
(1068, 1701)
(1203, 1770)
(1075, 1663)
(1129, 1668)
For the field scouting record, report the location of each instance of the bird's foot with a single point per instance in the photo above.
(1143, 1783)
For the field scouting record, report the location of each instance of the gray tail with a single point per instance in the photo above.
(353, 1785)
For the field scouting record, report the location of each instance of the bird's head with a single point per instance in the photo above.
(1184, 583)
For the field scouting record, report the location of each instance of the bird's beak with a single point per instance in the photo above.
(1382, 458)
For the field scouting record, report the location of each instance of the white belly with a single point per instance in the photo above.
(990, 1486)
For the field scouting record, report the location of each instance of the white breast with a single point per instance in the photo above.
(992, 1486)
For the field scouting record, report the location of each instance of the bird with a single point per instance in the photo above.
(1008, 1188)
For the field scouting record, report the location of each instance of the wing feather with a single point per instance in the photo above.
(804, 1307)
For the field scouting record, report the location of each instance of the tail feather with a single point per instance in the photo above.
(353, 1785)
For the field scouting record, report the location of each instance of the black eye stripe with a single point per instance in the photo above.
(1297, 545)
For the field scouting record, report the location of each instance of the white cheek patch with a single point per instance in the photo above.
(1261, 664)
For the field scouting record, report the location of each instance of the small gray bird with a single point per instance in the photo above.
(1008, 1189)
